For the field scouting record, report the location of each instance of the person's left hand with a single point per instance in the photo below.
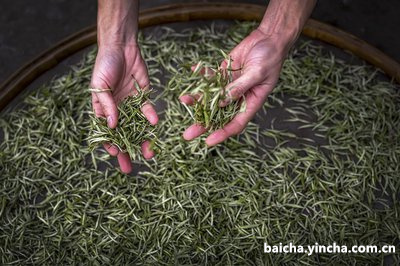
(260, 58)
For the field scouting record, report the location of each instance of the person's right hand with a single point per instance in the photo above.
(117, 66)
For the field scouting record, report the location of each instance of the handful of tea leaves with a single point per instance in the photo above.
(208, 85)
(132, 129)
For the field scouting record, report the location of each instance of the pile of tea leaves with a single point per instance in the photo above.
(323, 167)
(206, 84)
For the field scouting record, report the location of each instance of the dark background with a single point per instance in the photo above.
(29, 27)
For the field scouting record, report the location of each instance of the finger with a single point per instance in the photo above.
(109, 107)
(104, 104)
(254, 100)
(111, 149)
(97, 109)
(232, 128)
(105, 99)
(150, 113)
(240, 86)
(194, 131)
(148, 153)
(124, 162)
(189, 99)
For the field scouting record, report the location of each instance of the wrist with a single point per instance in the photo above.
(283, 39)
(284, 20)
(117, 22)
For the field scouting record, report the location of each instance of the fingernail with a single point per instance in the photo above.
(109, 121)
(225, 102)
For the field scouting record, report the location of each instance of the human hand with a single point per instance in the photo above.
(117, 66)
(259, 57)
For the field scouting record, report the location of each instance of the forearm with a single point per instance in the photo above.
(117, 21)
(284, 19)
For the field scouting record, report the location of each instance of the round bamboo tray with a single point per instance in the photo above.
(187, 12)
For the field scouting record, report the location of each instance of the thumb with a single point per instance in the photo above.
(190, 99)
(107, 103)
(240, 86)
(109, 108)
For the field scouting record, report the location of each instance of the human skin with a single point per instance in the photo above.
(260, 56)
(118, 62)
